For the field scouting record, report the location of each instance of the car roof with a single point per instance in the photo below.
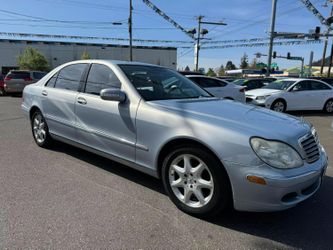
(114, 62)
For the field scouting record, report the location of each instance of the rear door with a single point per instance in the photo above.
(320, 93)
(59, 95)
(108, 126)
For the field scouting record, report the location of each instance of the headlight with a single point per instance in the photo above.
(276, 154)
(262, 98)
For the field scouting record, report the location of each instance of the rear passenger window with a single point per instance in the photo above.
(318, 86)
(70, 76)
(101, 77)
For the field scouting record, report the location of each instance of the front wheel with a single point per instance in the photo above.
(40, 130)
(195, 181)
(279, 106)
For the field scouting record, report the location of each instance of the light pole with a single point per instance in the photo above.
(325, 45)
(271, 37)
(130, 31)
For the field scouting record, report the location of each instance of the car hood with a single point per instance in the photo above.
(252, 120)
(262, 92)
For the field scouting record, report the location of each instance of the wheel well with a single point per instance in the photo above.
(32, 111)
(177, 143)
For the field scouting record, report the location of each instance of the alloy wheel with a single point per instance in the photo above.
(329, 106)
(39, 128)
(191, 181)
(278, 106)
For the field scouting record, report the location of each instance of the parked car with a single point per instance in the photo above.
(253, 83)
(2, 90)
(293, 94)
(209, 152)
(16, 80)
(219, 88)
(184, 73)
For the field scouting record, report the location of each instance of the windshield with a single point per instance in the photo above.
(157, 83)
(279, 84)
(239, 82)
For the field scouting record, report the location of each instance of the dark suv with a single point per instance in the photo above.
(16, 80)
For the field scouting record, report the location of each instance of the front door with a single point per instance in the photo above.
(107, 126)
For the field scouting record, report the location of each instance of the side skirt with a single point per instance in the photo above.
(108, 156)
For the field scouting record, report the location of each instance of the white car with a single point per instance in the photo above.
(293, 94)
(219, 88)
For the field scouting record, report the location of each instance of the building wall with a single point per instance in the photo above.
(59, 53)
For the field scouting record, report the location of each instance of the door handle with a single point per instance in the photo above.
(44, 93)
(81, 100)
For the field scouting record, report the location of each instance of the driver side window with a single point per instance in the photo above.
(301, 86)
(101, 77)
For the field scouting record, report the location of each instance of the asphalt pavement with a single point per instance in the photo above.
(67, 198)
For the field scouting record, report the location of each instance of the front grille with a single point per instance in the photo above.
(309, 144)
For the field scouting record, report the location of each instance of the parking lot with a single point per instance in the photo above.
(67, 198)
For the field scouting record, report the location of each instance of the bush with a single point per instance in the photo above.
(32, 59)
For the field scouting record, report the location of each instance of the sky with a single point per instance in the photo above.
(246, 19)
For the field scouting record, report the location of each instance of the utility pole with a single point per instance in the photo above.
(325, 46)
(271, 37)
(130, 30)
(197, 44)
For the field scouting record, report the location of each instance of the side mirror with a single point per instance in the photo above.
(113, 94)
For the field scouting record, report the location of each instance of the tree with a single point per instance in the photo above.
(230, 66)
(85, 55)
(32, 59)
(210, 72)
(221, 71)
(253, 64)
(244, 61)
(187, 68)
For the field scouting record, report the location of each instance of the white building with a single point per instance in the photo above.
(58, 53)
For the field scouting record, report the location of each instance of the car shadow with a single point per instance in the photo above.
(110, 166)
(306, 226)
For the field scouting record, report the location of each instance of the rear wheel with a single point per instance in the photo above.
(2, 92)
(329, 106)
(279, 106)
(40, 130)
(195, 181)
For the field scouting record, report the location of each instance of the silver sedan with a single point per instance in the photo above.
(209, 152)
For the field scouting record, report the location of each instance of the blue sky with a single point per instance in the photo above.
(245, 18)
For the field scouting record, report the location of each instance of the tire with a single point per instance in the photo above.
(40, 130)
(328, 107)
(203, 193)
(2, 92)
(279, 106)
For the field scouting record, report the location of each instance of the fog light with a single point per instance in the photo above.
(256, 179)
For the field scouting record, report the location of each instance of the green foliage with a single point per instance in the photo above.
(244, 61)
(85, 55)
(253, 64)
(230, 66)
(221, 71)
(210, 72)
(32, 59)
(187, 68)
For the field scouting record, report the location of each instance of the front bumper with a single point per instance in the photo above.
(283, 189)
(255, 102)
